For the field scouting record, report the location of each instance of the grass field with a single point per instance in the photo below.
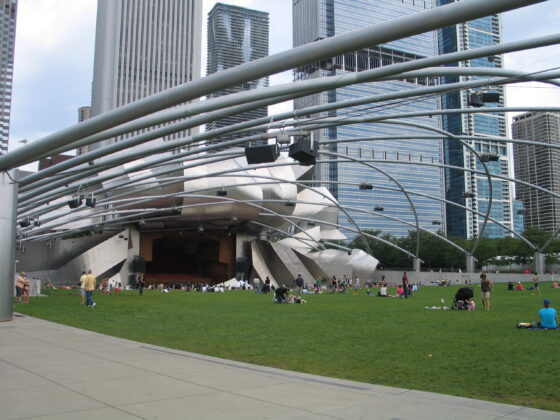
(381, 341)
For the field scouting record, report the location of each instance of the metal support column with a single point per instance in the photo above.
(540, 263)
(470, 264)
(8, 212)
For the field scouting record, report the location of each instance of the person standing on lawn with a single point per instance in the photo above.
(486, 287)
(82, 287)
(299, 284)
(90, 285)
(536, 290)
(19, 286)
(406, 290)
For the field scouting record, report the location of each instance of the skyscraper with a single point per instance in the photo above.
(465, 188)
(236, 35)
(538, 165)
(319, 19)
(8, 16)
(143, 47)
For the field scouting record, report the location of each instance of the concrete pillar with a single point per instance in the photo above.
(470, 264)
(416, 264)
(540, 263)
(8, 212)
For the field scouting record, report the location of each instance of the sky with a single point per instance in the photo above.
(55, 39)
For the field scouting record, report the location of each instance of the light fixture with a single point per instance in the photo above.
(378, 208)
(366, 186)
(436, 222)
(200, 229)
(290, 204)
(283, 138)
(221, 193)
(36, 223)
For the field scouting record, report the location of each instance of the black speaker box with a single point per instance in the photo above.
(490, 97)
(242, 265)
(262, 154)
(304, 151)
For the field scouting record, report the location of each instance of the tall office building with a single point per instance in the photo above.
(143, 47)
(318, 19)
(465, 188)
(8, 16)
(538, 165)
(236, 35)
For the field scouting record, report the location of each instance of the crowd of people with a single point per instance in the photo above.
(88, 284)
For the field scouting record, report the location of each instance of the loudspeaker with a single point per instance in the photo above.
(138, 264)
(490, 97)
(242, 265)
(75, 203)
(304, 151)
(262, 154)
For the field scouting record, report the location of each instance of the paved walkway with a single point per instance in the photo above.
(50, 371)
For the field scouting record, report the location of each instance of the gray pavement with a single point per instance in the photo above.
(50, 371)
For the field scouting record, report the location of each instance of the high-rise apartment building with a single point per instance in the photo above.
(8, 16)
(318, 19)
(236, 35)
(466, 188)
(143, 47)
(538, 165)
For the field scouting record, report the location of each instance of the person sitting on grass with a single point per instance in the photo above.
(383, 291)
(400, 291)
(547, 316)
(519, 286)
(471, 306)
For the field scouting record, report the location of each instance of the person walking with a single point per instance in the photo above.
(90, 285)
(486, 287)
(406, 291)
(82, 287)
(536, 289)
(299, 284)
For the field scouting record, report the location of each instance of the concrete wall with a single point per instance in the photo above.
(427, 277)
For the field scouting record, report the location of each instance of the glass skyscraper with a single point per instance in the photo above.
(468, 189)
(538, 165)
(236, 35)
(406, 159)
(8, 15)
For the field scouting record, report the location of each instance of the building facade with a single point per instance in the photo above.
(143, 47)
(369, 161)
(538, 165)
(466, 188)
(236, 35)
(8, 17)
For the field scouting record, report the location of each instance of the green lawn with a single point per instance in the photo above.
(381, 341)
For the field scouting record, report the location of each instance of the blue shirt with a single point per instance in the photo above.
(548, 318)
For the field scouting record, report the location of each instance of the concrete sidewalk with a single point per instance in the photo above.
(50, 371)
